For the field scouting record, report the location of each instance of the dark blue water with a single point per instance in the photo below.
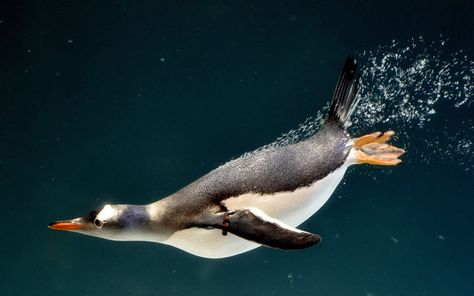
(125, 102)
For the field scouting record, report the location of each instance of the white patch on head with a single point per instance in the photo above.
(107, 213)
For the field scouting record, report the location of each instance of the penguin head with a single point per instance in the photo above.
(114, 222)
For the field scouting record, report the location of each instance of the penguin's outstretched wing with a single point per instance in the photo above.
(254, 225)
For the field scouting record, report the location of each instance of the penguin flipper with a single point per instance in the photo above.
(254, 225)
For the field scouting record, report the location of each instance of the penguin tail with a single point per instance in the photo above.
(373, 149)
(344, 99)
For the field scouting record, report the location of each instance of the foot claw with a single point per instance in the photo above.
(385, 137)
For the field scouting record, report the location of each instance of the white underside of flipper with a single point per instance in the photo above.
(292, 208)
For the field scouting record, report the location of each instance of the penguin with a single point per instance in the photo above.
(255, 200)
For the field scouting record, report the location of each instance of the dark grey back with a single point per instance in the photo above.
(270, 170)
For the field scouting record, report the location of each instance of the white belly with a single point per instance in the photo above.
(293, 208)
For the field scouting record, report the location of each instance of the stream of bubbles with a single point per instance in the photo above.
(405, 86)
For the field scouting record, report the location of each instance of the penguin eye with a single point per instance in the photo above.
(98, 223)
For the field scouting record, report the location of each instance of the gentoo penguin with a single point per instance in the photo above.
(257, 199)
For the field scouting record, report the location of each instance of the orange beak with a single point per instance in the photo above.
(65, 225)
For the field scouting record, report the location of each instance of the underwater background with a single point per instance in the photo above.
(128, 101)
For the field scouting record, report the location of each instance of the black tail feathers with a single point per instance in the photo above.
(344, 98)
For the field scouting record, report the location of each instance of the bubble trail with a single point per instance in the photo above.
(404, 86)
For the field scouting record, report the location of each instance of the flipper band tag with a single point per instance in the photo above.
(225, 224)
